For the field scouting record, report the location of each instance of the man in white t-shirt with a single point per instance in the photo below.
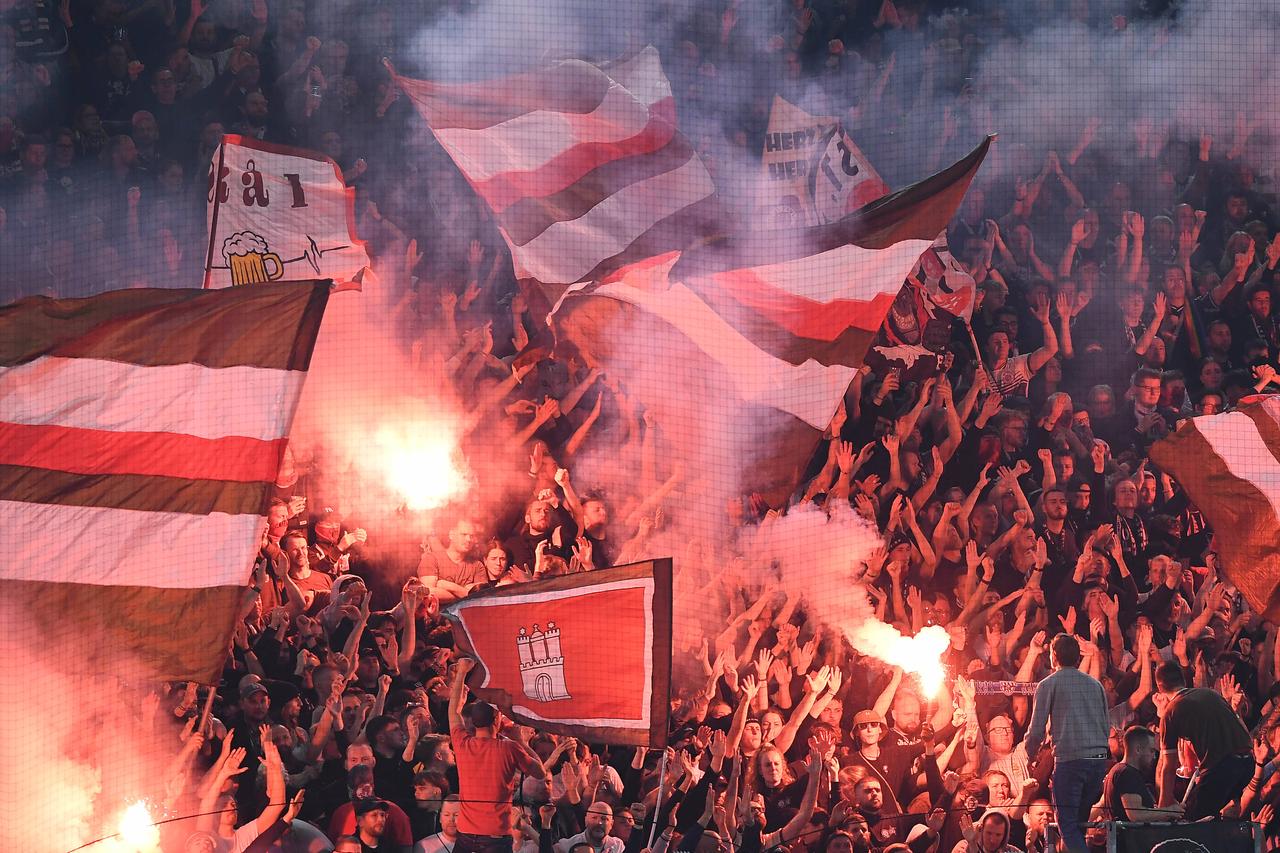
(1012, 373)
(443, 841)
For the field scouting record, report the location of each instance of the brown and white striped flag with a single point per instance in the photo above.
(1229, 465)
(140, 434)
(782, 319)
(582, 164)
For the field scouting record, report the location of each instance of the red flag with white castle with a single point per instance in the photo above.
(280, 214)
(588, 655)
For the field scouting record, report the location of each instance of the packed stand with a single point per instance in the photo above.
(1118, 296)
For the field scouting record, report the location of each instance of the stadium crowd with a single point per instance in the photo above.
(1119, 295)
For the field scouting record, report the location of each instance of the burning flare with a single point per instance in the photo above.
(137, 830)
(921, 654)
(420, 462)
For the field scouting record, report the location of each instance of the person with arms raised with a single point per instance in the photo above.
(487, 767)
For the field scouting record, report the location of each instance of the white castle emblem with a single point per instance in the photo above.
(541, 664)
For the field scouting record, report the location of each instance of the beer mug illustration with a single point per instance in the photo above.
(248, 259)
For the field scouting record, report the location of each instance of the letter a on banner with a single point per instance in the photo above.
(280, 214)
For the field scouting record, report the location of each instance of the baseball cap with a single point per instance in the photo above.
(371, 804)
(249, 688)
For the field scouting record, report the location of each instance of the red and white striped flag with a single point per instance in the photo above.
(1229, 465)
(140, 433)
(782, 320)
(789, 315)
(581, 164)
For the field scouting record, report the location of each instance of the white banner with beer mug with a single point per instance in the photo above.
(278, 213)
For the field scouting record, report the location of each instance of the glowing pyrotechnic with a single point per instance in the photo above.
(137, 830)
(920, 655)
(824, 558)
(421, 463)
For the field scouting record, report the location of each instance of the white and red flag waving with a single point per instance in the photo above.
(588, 655)
(280, 214)
(582, 164)
(140, 434)
(1229, 465)
(770, 326)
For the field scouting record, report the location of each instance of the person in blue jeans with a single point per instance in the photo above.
(1073, 706)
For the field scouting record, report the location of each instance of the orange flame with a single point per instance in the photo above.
(137, 830)
(421, 463)
(920, 655)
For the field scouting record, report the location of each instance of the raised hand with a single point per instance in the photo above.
(719, 744)
(233, 765)
(844, 457)
(802, 656)
(816, 682)
(763, 661)
(1069, 621)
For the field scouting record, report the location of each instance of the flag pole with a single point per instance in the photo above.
(213, 221)
(657, 809)
(208, 707)
(977, 351)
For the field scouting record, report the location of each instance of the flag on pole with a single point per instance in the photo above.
(582, 164)
(814, 174)
(944, 282)
(588, 655)
(140, 434)
(280, 214)
(1229, 466)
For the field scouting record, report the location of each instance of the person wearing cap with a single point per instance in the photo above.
(487, 767)
(1074, 706)
(346, 817)
(331, 544)
(371, 825)
(255, 705)
(887, 761)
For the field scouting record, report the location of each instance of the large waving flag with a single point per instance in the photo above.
(581, 164)
(1229, 465)
(140, 433)
(588, 654)
(772, 326)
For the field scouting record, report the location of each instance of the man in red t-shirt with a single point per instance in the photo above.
(487, 765)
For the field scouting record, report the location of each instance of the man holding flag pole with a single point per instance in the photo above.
(487, 766)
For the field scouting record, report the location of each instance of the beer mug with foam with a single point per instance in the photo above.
(251, 267)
